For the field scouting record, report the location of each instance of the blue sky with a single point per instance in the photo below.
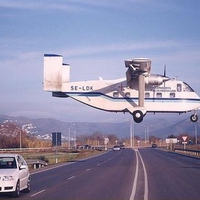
(94, 37)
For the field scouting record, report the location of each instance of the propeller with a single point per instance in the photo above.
(165, 77)
(165, 71)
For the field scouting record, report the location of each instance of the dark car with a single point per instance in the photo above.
(87, 146)
(154, 145)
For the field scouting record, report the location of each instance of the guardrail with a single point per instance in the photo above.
(188, 152)
(25, 149)
(53, 148)
(35, 163)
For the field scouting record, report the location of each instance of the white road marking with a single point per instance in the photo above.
(37, 193)
(88, 169)
(136, 177)
(71, 177)
(145, 179)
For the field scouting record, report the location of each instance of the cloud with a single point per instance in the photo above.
(84, 5)
(164, 49)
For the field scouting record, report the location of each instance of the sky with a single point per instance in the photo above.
(94, 37)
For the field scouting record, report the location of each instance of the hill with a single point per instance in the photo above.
(154, 126)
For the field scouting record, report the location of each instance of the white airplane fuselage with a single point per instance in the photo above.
(139, 93)
(116, 96)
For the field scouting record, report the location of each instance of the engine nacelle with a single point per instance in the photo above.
(155, 79)
(138, 66)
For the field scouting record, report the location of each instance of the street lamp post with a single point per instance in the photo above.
(145, 134)
(20, 139)
(131, 133)
(70, 135)
(75, 139)
(196, 139)
(195, 132)
(19, 132)
(146, 128)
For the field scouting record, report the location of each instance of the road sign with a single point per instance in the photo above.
(56, 139)
(184, 138)
(171, 140)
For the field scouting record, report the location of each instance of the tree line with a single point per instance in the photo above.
(13, 136)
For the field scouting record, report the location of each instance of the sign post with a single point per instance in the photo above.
(106, 141)
(56, 141)
(184, 141)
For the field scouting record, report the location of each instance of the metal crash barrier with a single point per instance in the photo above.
(188, 152)
(36, 163)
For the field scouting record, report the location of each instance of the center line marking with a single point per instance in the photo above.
(145, 178)
(37, 193)
(71, 177)
(135, 179)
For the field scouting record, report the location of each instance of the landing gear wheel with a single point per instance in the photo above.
(194, 118)
(138, 116)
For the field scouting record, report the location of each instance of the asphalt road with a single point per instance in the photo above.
(148, 174)
(98, 178)
(171, 176)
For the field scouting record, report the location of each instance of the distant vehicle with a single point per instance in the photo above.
(14, 174)
(154, 145)
(87, 146)
(116, 148)
(139, 93)
(122, 146)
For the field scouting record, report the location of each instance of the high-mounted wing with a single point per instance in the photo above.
(137, 67)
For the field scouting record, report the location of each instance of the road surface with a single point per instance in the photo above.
(146, 173)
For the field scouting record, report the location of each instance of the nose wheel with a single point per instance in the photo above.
(194, 118)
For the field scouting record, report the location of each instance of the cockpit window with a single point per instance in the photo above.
(187, 88)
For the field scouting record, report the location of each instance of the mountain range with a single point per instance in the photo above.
(160, 127)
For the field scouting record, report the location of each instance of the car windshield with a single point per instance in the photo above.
(7, 163)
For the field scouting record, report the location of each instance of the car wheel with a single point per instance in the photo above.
(28, 187)
(16, 193)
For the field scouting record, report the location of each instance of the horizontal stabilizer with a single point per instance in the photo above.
(59, 94)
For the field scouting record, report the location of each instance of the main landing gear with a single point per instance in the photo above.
(138, 116)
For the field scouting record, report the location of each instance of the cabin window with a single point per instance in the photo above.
(172, 95)
(179, 87)
(115, 94)
(159, 95)
(147, 94)
(127, 94)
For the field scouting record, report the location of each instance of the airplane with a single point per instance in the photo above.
(139, 93)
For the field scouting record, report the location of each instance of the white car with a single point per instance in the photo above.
(14, 174)
(116, 148)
